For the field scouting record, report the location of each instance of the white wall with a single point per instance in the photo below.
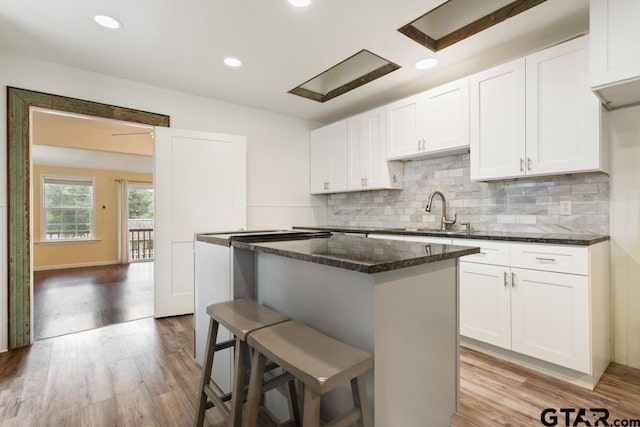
(624, 137)
(277, 147)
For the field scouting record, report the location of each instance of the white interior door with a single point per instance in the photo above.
(200, 186)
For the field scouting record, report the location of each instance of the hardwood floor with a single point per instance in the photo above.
(73, 300)
(142, 373)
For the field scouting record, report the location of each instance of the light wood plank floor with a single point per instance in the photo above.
(142, 373)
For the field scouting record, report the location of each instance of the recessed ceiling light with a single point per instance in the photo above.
(107, 21)
(300, 3)
(425, 64)
(232, 62)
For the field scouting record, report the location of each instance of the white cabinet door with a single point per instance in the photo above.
(357, 152)
(318, 160)
(550, 317)
(562, 114)
(485, 312)
(615, 35)
(368, 166)
(497, 122)
(328, 158)
(402, 137)
(338, 156)
(446, 117)
(375, 155)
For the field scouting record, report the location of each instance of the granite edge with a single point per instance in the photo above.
(354, 266)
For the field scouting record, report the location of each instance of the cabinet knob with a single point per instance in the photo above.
(506, 279)
(521, 164)
(529, 163)
(513, 279)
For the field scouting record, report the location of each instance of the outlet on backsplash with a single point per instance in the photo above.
(565, 207)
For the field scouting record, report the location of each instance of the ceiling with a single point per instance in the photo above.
(75, 141)
(180, 45)
(64, 157)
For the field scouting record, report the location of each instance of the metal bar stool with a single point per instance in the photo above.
(320, 362)
(241, 317)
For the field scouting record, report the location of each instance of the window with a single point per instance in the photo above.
(67, 208)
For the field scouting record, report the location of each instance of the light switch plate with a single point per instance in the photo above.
(565, 207)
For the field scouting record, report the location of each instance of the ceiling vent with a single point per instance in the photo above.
(353, 72)
(455, 20)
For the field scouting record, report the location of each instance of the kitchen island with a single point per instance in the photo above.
(398, 300)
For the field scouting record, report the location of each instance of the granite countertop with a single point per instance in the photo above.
(551, 238)
(360, 254)
(225, 238)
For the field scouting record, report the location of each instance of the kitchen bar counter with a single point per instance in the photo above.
(396, 299)
(550, 238)
(359, 253)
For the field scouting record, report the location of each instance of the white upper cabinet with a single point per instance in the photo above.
(536, 116)
(614, 40)
(446, 117)
(562, 115)
(366, 153)
(497, 122)
(328, 158)
(402, 134)
(435, 122)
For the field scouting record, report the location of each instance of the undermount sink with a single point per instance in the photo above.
(429, 230)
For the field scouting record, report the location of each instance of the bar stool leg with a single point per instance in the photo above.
(210, 350)
(255, 389)
(240, 369)
(294, 407)
(311, 412)
(361, 401)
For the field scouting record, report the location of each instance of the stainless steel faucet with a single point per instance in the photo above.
(444, 222)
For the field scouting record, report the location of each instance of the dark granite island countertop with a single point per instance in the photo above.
(360, 254)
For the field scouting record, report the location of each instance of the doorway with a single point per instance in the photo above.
(140, 225)
(80, 165)
(20, 237)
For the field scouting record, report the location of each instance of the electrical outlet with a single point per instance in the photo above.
(565, 207)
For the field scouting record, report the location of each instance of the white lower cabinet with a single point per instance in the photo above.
(485, 303)
(548, 302)
(550, 317)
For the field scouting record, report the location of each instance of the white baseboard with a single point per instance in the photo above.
(78, 265)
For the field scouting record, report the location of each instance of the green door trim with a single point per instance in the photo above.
(19, 103)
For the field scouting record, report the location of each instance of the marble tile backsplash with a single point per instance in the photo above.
(523, 205)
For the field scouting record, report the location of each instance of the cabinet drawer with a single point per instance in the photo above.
(491, 252)
(558, 258)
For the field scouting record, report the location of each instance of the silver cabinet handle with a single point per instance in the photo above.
(546, 259)
(506, 279)
(419, 142)
(327, 185)
(361, 182)
(365, 182)
(513, 279)
(528, 163)
(521, 165)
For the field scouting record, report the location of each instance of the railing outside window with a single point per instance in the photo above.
(141, 244)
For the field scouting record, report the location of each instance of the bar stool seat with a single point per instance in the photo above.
(241, 317)
(320, 362)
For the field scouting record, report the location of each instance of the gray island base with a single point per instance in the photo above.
(398, 300)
